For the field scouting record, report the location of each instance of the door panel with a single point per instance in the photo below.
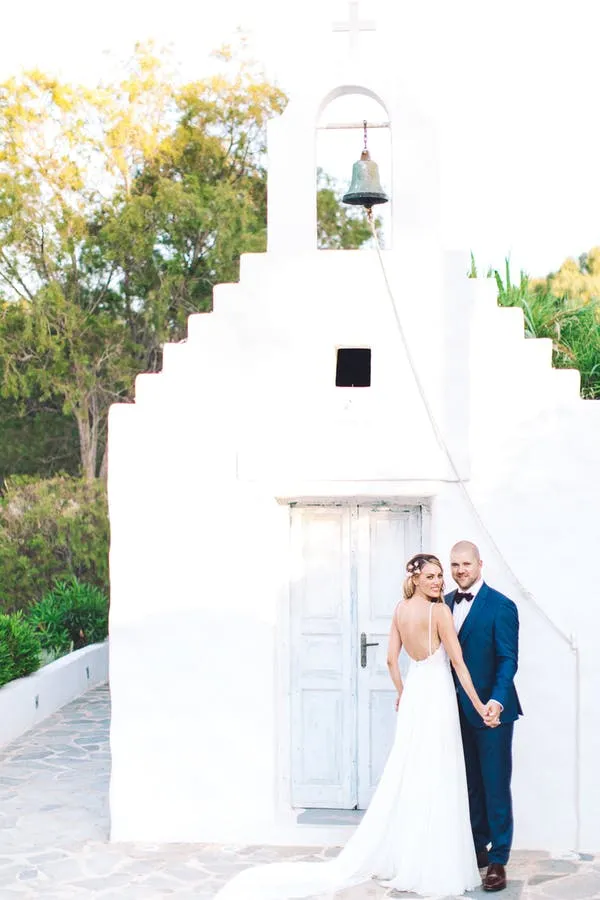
(323, 673)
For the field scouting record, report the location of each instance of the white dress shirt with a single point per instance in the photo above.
(462, 610)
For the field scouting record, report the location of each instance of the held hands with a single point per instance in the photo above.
(491, 714)
(397, 704)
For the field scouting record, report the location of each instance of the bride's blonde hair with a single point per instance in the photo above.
(414, 567)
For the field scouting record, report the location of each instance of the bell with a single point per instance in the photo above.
(365, 188)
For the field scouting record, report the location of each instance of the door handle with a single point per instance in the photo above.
(363, 648)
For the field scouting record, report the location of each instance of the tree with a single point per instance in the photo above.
(55, 339)
(120, 209)
(57, 348)
(191, 206)
(36, 438)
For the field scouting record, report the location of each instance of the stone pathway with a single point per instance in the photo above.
(54, 828)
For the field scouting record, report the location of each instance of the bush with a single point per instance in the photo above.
(20, 648)
(70, 616)
(6, 663)
(51, 529)
(47, 617)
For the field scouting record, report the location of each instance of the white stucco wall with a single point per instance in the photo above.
(245, 415)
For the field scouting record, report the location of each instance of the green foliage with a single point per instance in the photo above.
(70, 616)
(36, 439)
(338, 227)
(6, 663)
(196, 200)
(20, 654)
(52, 346)
(472, 273)
(51, 529)
(572, 326)
(47, 616)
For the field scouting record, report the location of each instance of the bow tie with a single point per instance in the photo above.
(459, 597)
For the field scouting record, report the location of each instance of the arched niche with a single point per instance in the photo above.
(339, 142)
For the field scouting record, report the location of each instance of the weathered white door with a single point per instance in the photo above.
(386, 539)
(323, 660)
(347, 573)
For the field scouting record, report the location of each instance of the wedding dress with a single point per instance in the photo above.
(416, 834)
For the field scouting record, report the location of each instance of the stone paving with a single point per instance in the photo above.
(54, 829)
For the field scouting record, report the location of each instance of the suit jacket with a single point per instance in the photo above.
(489, 639)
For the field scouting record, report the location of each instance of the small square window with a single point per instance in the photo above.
(353, 367)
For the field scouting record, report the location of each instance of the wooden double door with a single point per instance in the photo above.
(347, 574)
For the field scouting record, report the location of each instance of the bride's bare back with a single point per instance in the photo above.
(412, 620)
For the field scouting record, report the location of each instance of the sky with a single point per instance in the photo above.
(511, 89)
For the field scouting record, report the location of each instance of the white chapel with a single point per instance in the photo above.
(264, 498)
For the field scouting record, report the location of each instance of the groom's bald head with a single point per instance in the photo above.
(467, 547)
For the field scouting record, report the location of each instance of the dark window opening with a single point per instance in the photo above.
(353, 367)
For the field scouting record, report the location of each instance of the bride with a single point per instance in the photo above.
(416, 834)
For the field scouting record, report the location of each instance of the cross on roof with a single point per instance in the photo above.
(354, 26)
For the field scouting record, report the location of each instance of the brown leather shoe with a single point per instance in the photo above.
(495, 878)
(482, 859)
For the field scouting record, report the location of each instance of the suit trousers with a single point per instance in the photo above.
(488, 760)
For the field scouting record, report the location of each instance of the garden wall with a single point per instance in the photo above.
(26, 702)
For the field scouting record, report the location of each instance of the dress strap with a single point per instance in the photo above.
(430, 618)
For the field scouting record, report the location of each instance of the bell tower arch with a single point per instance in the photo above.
(292, 160)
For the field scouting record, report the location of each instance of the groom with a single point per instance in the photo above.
(487, 624)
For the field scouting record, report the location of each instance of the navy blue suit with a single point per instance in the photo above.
(489, 639)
